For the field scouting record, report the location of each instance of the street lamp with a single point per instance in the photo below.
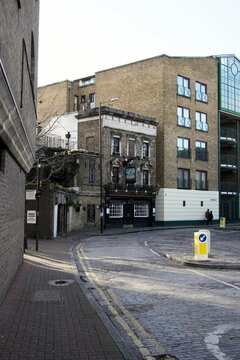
(101, 156)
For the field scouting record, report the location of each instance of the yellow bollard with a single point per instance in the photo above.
(201, 245)
(222, 222)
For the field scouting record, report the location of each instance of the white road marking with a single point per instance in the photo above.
(198, 272)
(212, 340)
(112, 305)
(217, 280)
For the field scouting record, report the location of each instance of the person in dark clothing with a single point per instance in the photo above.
(210, 218)
(207, 216)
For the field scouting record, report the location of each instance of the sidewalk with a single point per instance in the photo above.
(46, 315)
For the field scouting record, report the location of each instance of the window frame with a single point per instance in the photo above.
(183, 151)
(146, 143)
(201, 152)
(131, 149)
(201, 184)
(184, 182)
(140, 207)
(118, 214)
(201, 125)
(183, 86)
(145, 177)
(201, 94)
(113, 152)
(182, 120)
(115, 176)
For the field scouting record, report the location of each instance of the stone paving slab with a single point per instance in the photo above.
(41, 321)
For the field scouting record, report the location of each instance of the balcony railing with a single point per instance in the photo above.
(185, 122)
(201, 184)
(200, 96)
(201, 126)
(228, 133)
(183, 153)
(229, 161)
(201, 154)
(183, 183)
(228, 187)
(184, 91)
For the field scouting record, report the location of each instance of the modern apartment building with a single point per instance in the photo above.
(195, 101)
(18, 85)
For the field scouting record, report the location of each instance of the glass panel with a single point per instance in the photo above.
(141, 210)
(131, 148)
(116, 210)
(186, 113)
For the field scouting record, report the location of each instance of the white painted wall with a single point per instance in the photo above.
(169, 204)
(60, 125)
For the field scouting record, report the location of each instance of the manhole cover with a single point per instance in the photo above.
(60, 282)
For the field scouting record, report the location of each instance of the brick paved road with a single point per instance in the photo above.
(190, 313)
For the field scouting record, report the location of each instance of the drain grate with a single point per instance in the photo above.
(60, 282)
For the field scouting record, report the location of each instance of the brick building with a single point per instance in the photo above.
(195, 103)
(128, 170)
(18, 69)
(65, 193)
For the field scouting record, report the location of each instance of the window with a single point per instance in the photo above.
(183, 117)
(116, 210)
(201, 92)
(145, 150)
(183, 179)
(201, 180)
(92, 100)
(91, 213)
(116, 145)
(183, 86)
(230, 84)
(87, 81)
(91, 170)
(201, 121)
(145, 177)
(83, 99)
(201, 151)
(141, 210)
(76, 103)
(183, 148)
(115, 174)
(131, 147)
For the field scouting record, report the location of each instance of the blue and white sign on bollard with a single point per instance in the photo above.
(208, 234)
(201, 245)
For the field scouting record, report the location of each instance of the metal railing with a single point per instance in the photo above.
(183, 183)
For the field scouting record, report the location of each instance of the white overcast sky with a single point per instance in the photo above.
(80, 37)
